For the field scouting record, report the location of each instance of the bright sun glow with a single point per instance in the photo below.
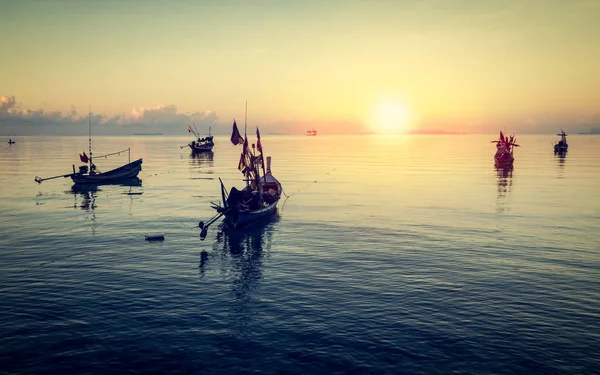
(390, 117)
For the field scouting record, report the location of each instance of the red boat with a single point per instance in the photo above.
(504, 150)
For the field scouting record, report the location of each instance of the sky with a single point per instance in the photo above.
(336, 66)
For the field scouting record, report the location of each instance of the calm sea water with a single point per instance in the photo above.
(408, 254)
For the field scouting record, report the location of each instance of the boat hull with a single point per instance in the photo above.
(200, 149)
(126, 172)
(240, 218)
(561, 149)
(83, 188)
(503, 158)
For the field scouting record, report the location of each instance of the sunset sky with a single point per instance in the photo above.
(338, 66)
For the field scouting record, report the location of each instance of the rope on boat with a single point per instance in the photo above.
(153, 174)
(111, 154)
(301, 189)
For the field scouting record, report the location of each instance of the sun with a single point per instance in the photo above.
(390, 116)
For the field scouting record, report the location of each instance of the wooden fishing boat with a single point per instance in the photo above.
(504, 150)
(311, 132)
(125, 172)
(201, 144)
(88, 173)
(562, 146)
(254, 202)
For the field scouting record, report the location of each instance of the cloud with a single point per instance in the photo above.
(163, 114)
(11, 112)
(163, 118)
(7, 104)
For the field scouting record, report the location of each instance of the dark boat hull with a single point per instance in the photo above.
(83, 188)
(197, 149)
(503, 158)
(126, 172)
(240, 218)
(560, 149)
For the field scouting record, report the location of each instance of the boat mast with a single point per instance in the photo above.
(90, 139)
(246, 136)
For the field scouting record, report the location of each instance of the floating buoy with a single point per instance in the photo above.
(155, 237)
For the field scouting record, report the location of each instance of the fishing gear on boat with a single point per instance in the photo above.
(304, 187)
(221, 210)
(39, 180)
(204, 227)
(115, 153)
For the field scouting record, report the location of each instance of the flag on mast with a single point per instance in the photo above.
(258, 144)
(83, 158)
(260, 149)
(236, 138)
(244, 164)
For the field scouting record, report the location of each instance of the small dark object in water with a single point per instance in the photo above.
(155, 237)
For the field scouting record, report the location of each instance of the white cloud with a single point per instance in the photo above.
(163, 118)
(7, 104)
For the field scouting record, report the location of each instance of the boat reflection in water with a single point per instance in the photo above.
(240, 254)
(561, 157)
(504, 175)
(203, 158)
(241, 245)
(89, 192)
(87, 196)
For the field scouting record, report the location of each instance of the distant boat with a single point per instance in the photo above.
(89, 173)
(504, 150)
(311, 132)
(200, 145)
(257, 200)
(11, 142)
(562, 146)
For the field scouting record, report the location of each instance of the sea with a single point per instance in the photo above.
(395, 254)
